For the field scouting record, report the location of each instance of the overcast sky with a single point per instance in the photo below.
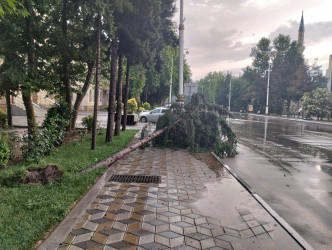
(219, 34)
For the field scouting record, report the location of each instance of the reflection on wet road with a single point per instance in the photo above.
(289, 164)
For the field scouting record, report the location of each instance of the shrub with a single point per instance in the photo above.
(87, 122)
(3, 118)
(146, 106)
(52, 134)
(4, 151)
(140, 109)
(132, 105)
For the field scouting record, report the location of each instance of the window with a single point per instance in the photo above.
(156, 111)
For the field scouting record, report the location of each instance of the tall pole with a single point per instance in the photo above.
(268, 88)
(181, 34)
(230, 92)
(170, 85)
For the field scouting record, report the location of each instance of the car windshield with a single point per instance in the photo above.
(155, 111)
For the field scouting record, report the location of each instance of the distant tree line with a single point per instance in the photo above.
(290, 78)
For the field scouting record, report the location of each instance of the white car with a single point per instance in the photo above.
(153, 115)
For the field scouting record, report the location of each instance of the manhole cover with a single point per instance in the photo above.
(136, 178)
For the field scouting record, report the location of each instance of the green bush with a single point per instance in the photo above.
(52, 134)
(146, 106)
(87, 122)
(132, 106)
(3, 119)
(4, 151)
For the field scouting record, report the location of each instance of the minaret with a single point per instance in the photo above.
(300, 39)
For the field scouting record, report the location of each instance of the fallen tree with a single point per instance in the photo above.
(112, 159)
(202, 128)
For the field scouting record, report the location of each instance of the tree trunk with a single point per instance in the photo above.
(119, 96)
(9, 109)
(65, 55)
(81, 94)
(125, 108)
(146, 89)
(112, 159)
(32, 65)
(95, 108)
(26, 96)
(111, 102)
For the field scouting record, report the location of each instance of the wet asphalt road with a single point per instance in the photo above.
(289, 164)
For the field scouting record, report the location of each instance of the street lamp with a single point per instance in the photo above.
(268, 87)
(269, 54)
(181, 34)
(230, 92)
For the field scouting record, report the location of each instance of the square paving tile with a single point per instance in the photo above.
(88, 244)
(253, 223)
(194, 219)
(101, 221)
(155, 226)
(139, 237)
(113, 235)
(247, 233)
(154, 246)
(80, 231)
(169, 239)
(248, 217)
(184, 247)
(258, 230)
(232, 232)
(122, 245)
(182, 227)
(180, 209)
(95, 211)
(169, 217)
(198, 236)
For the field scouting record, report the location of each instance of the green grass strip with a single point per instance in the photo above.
(27, 212)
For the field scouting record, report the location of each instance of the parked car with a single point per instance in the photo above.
(143, 112)
(153, 115)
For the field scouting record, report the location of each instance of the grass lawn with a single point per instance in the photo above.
(27, 212)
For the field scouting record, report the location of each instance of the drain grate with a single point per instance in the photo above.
(136, 178)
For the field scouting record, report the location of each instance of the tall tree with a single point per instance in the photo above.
(126, 94)
(95, 107)
(119, 96)
(111, 100)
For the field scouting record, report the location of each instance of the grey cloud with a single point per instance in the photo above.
(314, 32)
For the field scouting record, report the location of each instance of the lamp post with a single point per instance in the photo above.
(229, 95)
(181, 34)
(170, 85)
(268, 88)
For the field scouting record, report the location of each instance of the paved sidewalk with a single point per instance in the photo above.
(197, 205)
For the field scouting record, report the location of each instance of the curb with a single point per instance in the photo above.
(298, 238)
(70, 220)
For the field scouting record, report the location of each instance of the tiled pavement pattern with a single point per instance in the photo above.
(164, 216)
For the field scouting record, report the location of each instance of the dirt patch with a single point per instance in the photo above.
(72, 136)
(42, 175)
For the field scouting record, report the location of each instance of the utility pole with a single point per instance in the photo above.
(170, 85)
(181, 34)
(230, 92)
(268, 89)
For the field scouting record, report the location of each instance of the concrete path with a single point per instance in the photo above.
(197, 205)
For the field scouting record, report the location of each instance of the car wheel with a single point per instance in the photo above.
(144, 120)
